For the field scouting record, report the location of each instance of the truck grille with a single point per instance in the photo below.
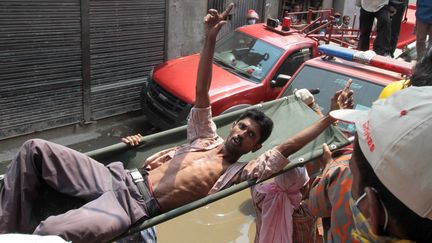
(162, 108)
(166, 99)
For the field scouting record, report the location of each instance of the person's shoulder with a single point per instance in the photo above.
(336, 168)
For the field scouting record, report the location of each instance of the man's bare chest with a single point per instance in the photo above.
(207, 162)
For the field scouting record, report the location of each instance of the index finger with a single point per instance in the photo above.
(227, 11)
(346, 88)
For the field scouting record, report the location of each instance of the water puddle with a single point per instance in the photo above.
(231, 219)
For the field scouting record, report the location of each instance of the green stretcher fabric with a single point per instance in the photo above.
(290, 116)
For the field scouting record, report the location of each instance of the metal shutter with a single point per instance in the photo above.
(40, 65)
(67, 61)
(127, 38)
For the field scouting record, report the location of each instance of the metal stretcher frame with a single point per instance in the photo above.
(290, 116)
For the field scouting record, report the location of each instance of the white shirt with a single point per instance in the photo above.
(373, 5)
(24, 238)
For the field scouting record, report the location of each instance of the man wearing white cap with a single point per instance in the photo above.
(252, 16)
(391, 168)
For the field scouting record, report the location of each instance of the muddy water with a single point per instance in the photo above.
(231, 219)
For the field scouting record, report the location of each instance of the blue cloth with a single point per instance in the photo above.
(144, 236)
(424, 11)
(149, 235)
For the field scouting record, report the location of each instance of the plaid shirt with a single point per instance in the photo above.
(329, 198)
(304, 225)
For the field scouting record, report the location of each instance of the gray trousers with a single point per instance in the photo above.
(113, 200)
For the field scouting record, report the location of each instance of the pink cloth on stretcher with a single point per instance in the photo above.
(275, 203)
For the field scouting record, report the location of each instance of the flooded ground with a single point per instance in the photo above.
(229, 220)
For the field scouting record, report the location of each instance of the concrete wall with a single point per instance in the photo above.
(271, 9)
(185, 28)
(345, 7)
(349, 8)
(327, 4)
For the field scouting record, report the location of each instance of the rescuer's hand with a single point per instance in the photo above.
(214, 21)
(132, 140)
(326, 157)
(343, 99)
(250, 171)
(305, 96)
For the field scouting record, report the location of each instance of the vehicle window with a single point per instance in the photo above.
(246, 56)
(293, 61)
(365, 92)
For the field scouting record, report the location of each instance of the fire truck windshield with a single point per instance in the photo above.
(246, 56)
(329, 81)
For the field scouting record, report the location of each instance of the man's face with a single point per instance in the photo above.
(243, 137)
(346, 20)
(251, 21)
(296, 8)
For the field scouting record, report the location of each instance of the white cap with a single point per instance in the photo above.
(251, 14)
(396, 138)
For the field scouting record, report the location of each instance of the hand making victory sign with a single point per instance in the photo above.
(214, 21)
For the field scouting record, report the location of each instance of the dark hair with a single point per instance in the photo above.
(265, 122)
(414, 226)
(296, 4)
(422, 75)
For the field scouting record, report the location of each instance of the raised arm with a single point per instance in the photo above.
(213, 22)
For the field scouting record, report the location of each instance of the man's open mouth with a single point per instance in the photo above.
(237, 141)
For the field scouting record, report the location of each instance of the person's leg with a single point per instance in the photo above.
(396, 21)
(421, 34)
(63, 169)
(97, 221)
(382, 41)
(366, 22)
(429, 33)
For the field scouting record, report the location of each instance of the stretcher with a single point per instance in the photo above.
(289, 114)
